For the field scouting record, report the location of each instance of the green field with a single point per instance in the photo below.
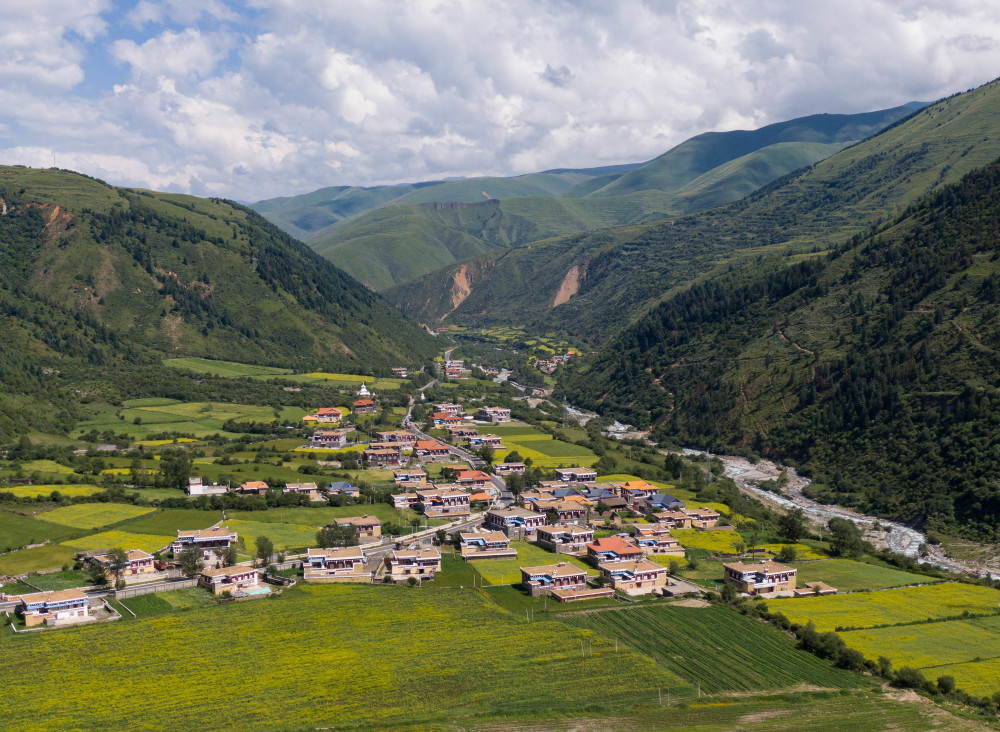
(199, 419)
(422, 672)
(283, 536)
(46, 466)
(888, 607)
(62, 580)
(850, 576)
(323, 515)
(95, 515)
(17, 530)
(928, 645)
(226, 369)
(716, 647)
(36, 559)
(508, 571)
(167, 522)
(121, 540)
(30, 491)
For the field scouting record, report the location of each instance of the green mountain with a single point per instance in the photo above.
(96, 281)
(591, 285)
(308, 215)
(873, 366)
(398, 242)
(679, 166)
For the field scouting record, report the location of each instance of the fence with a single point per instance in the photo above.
(155, 587)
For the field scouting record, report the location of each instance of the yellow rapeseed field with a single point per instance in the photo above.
(318, 656)
(886, 607)
(30, 491)
(713, 541)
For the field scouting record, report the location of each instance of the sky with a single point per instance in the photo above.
(261, 98)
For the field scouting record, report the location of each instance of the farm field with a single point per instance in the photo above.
(46, 466)
(30, 491)
(94, 515)
(61, 580)
(324, 515)
(225, 368)
(374, 383)
(975, 677)
(539, 446)
(17, 530)
(167, 522)
(709, 540)
(850, 576)
(123, 539)
(716, 647)
(508, 571)
(888, 607)
(802, 551)
(415, 678)
(283, 536)
(199, 419)
(929, 645)
(36, 559)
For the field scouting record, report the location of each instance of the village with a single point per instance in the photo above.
(604, 539)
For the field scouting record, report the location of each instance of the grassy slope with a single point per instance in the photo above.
(681, 165)
(627, 269)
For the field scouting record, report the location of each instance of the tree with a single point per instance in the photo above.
(97, 575)
(486, 452)
(513, 457)
(846, 540)
(337, 535)
(791, 525)
(728, 593)
(946, 684)
(229, 556)
(265, 548)
(787, 553)
(117, 562)
(675, 567)
(190, 561)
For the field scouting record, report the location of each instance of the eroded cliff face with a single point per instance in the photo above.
(570, 284)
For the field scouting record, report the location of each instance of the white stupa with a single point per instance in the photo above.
(363, 391)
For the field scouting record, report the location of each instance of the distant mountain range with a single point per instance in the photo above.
(389, 235)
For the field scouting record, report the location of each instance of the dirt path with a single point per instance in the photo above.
(796, 345)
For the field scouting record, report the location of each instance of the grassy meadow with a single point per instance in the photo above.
(850, 576)
(17, 530)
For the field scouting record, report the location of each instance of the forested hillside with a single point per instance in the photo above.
(873, 366)
(98, 283)
(592, 285)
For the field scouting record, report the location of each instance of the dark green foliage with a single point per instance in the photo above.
(873, 367)
(791, 525)
(845, 540)
(337, 535)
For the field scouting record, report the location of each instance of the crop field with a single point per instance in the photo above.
(397, 676)
(225, 369)
(199, 419)
(539, 446)
(889, 607)
(95, 515)
(928, 645)
(30, 491)
(17, 530)
(283, 536)
(321, 516)
(709, 540)
(716, 647)
(37, 558)
(61, 580)
(122, 539)
(166, 523)
(373, 383)
(508, 571)
(46, 466)
(850, 576)
(975, 677)
(802, 551)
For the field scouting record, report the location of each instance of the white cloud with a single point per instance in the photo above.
(284, 96)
